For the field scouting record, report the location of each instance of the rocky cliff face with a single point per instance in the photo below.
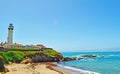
(1, 64)
(47, 56)
(44, 58)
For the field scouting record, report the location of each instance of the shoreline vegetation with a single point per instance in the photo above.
(16, 56)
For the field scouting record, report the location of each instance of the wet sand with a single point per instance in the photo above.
(71, 70)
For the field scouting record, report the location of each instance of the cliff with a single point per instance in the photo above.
(46, 55)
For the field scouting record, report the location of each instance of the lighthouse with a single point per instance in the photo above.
(10, 34)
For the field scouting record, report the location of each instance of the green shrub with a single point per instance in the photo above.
(2, 68)
(15, 56)
(4, 55)
(23, 49)
(12, 56)
(31, 53)
(51, 53)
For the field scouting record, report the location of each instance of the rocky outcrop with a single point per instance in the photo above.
(2, 68)
(69, 59)
(45, 58)
(87, 56)
(26, 61)
(80, 58)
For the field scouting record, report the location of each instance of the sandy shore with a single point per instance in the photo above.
(44, 68)
(34, 68)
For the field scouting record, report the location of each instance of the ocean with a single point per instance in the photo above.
(105, 63)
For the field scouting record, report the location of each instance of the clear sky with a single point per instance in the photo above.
(65, 25)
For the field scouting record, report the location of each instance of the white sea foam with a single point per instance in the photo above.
(77, 56)
(114, 55)
(77, 70)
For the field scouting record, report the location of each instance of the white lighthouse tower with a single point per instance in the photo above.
(10, 34)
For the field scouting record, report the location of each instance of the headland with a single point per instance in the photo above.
(16, 58)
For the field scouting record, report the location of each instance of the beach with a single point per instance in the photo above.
(44, 68)
(34, 68)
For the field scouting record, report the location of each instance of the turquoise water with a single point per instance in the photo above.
(106, 63)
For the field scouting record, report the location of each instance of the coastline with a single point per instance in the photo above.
(44, 68)
(72, 70)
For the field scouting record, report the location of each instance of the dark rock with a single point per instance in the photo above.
(69, 59)
(74, 58)
(89, 56)
(80, 58)
(45, 58)
(2, 68)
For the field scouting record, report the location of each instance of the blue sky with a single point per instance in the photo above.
(65, 25)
